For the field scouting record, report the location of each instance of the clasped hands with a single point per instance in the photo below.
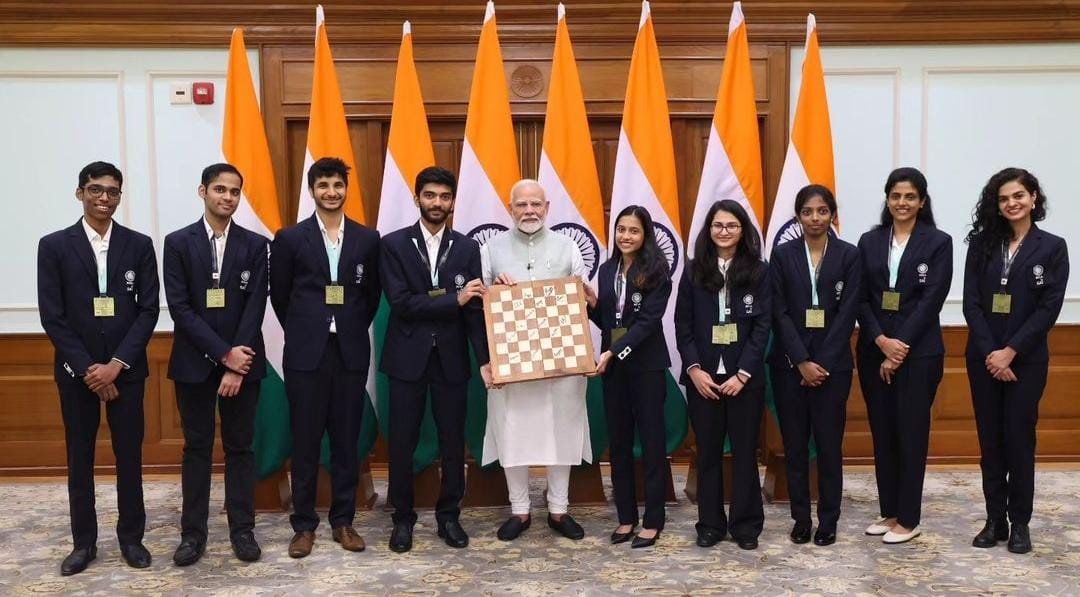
(238, 361)
(999, 364)
(895, 352)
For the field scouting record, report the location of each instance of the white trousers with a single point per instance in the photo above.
(558, 489)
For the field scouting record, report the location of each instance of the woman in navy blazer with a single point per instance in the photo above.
(1014, 286)
(723, 352)
(815, 287)
(907, 270)
(634, 287)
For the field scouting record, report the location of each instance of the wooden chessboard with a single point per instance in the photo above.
(538, 330)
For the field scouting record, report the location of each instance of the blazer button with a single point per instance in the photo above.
(329, 318)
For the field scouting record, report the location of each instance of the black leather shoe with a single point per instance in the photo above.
(401, 537)
(707, 537)
(135, 555)
(567, 527)
(640, 541)
(800, 533)
(617, 537)
(747, 543)
(992, 532)
(513, 527)
(78, 560)
(246, 547)
(187, 553)
(1019, 539)
(824, 537)
(452, 533)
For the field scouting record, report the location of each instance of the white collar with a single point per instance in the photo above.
(92, 234)
(210, 231)
(428, 236)
(322, 226)
(723, 263)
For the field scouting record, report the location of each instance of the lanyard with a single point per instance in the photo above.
(215, 274)
(815, 271)
(427, 263)
(1007, 261)
(723, 295)
(333, 254)
(102, 260)
(894, 266)
(620, 294)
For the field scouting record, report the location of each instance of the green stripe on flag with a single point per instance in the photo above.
(273, 440)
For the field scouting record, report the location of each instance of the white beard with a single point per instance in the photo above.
(531, 227)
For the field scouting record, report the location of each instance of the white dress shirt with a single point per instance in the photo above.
(432, 242)
(100, 245)
(337, 245)
(219, 241)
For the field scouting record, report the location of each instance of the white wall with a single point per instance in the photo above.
(959, 114)
(61, 109)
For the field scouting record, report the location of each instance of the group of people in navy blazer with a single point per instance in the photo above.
(98, 297)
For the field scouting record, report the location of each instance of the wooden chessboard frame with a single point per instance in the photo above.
(533, 290)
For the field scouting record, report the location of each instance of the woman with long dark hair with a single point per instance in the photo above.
(722, 321)
(634, 288)
(815, 282)
(907, 271)
(1014, 286)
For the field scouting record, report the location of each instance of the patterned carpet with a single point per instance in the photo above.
(34, 538)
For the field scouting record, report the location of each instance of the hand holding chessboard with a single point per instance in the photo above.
(538, 330)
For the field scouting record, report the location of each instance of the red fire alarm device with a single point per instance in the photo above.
(202, 93)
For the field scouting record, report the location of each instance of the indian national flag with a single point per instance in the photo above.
(489, 168)
(328, 136)
(489, 161)
(408, 151)
(732, 167)
(645, 175)
(809, 156)
(568, 175)
(243, 144)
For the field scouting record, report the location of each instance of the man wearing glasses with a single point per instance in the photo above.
(98, 299)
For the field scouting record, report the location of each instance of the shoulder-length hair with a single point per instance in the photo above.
(989, 229)
(917, 180)
(745, 269)
(650, 263)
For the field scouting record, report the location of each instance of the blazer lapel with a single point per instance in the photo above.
(349, 244)
(232, 247)
(83, 250)
(318, 245)
(117, 247)
(914, 243)
(200, 244)
(1029, 247)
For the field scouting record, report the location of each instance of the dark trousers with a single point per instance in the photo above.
(327, 400)
(81, 410)
(823, 411)
(197, 402)
(899, 416)
(738, 417)
(1005, 415)
(634, 400)
(448, 405)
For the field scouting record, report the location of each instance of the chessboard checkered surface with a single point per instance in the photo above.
(538, 330)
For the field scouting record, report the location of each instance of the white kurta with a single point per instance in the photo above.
(544, 422)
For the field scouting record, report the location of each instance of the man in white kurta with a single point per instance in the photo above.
(544, 422)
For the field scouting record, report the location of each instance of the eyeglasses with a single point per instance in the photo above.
(95, 191)
(731, 227)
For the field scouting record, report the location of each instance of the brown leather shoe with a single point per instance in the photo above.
(301, 543)
(349, 539)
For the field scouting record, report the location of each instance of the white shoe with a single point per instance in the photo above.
(877, 529)
(894, 538)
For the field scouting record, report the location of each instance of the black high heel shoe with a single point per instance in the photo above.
(640, 541)
(617, 537)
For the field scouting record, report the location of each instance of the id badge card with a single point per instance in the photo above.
(335, 295)
(617, 333)
(104, 306)
(815, 319)
(1002, 303)
(725, 333)
(215, 298)
(435, 292)
(890, 301)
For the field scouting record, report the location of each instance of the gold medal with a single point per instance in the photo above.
(727, 333)
(215, 298)
(1002, 303)
(617, 333)
(104, 306)
(815, 318)
(335, 295)
(434, 292)
(890, 301)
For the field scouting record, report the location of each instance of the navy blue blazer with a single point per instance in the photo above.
(839, 282)
(299, 275)
(1037, 283)
(67, 284)
(697, 310)
(418, 320)
(203, 336)
(923, 282)
(643, 347)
